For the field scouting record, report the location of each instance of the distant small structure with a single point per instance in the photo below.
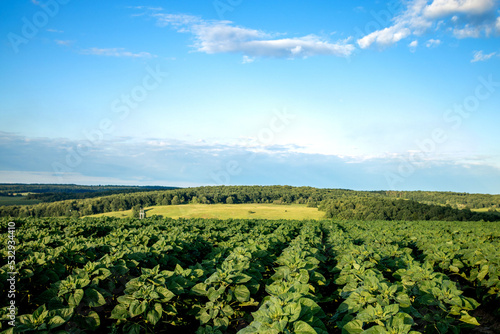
(142, 214)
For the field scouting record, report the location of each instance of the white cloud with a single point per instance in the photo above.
(247, 60)
(217, 36)
(384, 37)
(410, 21)
(55, 30)
(116, 52)
(479, 56)
(441, 8)
(467, 32)
(464, 18)
(413, 45)
(432, 42)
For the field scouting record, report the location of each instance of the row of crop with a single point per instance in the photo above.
(466, 253)
(292, 291)
(118, 281)
(74, 299)
(474, 256)
(383, 288)
(235, 285)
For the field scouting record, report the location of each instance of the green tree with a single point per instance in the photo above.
(175, 200)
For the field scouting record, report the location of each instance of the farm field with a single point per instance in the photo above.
(485, 209)
(17, 200)
(227, 211)
(161, 275)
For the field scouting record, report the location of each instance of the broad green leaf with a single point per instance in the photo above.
(404, 300)
(200, 289)
(56, 322)
(484, 271)
(214, 294)
(227, 310)
(41, 312)
(221, 322)
(119, 312)
(303, 276)
(242, 278)
(131, 328)
(126, 300)
(353, 327)
(92, 320)
(65, 313)
(153, 316)
(468, 319)
(94, 298)
(137, 308)
(75, 299)
(204, 317)
(301, 327)
(242, 293)
(166, 293)
(377, 330)
(392, 309)
(294, 310)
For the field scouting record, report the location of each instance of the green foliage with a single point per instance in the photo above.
(251, 276)
(372, 208)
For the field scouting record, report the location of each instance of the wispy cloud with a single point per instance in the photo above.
(55, 31)
(432, 43)
(467, 31)
(464, 18)
(480, 56)
(116, 52)
(63, 42)
(216, 36)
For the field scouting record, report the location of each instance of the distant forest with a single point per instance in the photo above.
(337, 203)
(59, 192)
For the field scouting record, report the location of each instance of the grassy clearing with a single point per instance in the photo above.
(226, 211)
(17, 200)
(485, 209)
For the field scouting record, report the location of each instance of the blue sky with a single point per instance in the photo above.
(342, 94)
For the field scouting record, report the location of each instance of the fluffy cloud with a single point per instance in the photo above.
(441, 8)
(217, 36)
(465, 18)
(479, 56)
(385, 37)
(413, 46)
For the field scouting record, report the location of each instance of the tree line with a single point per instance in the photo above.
(60, 192)
(382, 204)
(398, 209)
